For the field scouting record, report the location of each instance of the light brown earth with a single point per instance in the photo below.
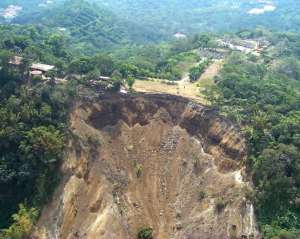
(212, 71)
(184, 87)
(146, 160)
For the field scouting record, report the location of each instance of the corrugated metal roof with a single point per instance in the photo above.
(41, 67)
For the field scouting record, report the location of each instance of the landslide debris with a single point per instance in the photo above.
(150, 161)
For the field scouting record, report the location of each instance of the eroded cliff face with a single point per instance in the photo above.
(150, 160)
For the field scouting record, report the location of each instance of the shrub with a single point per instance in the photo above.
(220, 205)
(138, 170)
(201, 195)
(286, 235)
(130, 82)
(23, 223)
(145, 233)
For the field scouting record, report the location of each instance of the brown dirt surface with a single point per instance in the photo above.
(156, 161)
(211, 71)
(184, 87)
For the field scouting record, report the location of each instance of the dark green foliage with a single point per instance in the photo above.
(33, 121)
(130, 82)
(156, 61)
(264, 99)
(201, 195)
(145, 233)
(90, 27)
(40, 45)
(287, 235)
(171, 16)
(220, 205)
(23, 223)
(197, 71)
(31, 144)
(152, 20)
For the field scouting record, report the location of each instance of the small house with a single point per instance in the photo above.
(38, 69)
(41, 67)
(104, 78)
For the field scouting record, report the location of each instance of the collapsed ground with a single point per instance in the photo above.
(150, 161)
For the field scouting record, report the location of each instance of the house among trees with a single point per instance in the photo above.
(38, 69)
(100, 80)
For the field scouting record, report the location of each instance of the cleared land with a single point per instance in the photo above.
(183, 87)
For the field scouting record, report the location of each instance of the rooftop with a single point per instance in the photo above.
(105, 78)
(41, 67)
(36, 73)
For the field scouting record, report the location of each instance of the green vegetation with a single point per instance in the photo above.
(33, 118)
(130, 82)
(220, 205)
(23, 224)
(138, 170)
(171, 16)
(127, 20)
(197, 71)
(263, 96)
(145, 233)
(201, 195)
(90, 27)
(84, 41)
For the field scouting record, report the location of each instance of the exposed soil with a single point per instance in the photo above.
(154, 161)
(184, 87)
(211, 71)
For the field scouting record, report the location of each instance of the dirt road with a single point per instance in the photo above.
(183, 87)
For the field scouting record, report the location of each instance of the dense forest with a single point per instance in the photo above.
(171, 16)
(33, 124)
(89, 26)
(95, 24)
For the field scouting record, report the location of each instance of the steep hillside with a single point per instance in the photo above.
(89, 26)
(171, 16)
(150, 161)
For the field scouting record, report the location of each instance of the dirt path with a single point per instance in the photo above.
(212, 70)
(183, 87)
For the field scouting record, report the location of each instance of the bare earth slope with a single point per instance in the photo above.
(150, 161)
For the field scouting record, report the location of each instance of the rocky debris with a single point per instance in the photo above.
(112, 202)
(170, 141)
